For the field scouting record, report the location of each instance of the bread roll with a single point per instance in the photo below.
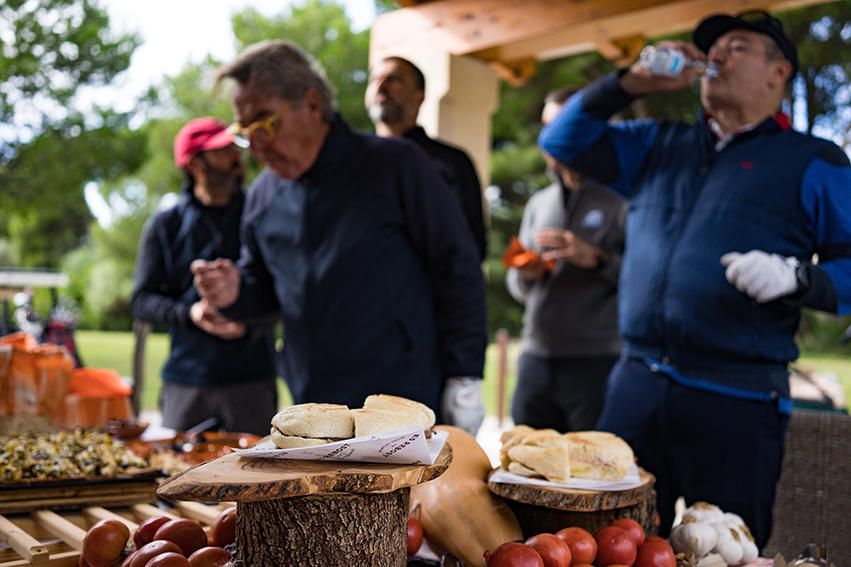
(599, 455)
(369, 421)
(316, 421)
(291, 442)
(545, 453)
(403, 405)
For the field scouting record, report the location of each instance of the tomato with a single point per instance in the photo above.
(187, 534)
(146, 530)
(552, 550)
(583, 547)
(655, 554)
(656, 538)
(614, 547)
(632, 528)
(513, 554)
(169, 560)
(150, 550)
(223, 530)
(209, 557)
(104, 543)
(415, 535)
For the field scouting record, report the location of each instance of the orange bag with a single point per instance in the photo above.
(36, 379)
(516, 256)
(95, 396)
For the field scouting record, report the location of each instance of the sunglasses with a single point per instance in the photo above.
(261, 130)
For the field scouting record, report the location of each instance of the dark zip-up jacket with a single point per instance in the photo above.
(369, 261)
(163, 293)
(458, 171)
(769, 189)
(573, 311)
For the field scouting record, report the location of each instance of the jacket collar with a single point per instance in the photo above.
(335, 150)
(777, 123)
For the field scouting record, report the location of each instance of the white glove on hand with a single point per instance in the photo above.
(461, 404)
(764, 277)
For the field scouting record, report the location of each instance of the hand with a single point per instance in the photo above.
(216, 281)
(208, 319)
(638, 81)
(534, 270)
(461, 404)
(762, 276)
(565, 245)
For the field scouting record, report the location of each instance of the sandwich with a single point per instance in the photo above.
(599, 455)
(382, 413)
(306, 425)
(537, 453)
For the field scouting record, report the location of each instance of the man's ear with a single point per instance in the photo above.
(781, 71)
(313, 102)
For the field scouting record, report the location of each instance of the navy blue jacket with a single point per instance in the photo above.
(377, 279)
(163, 293)
(770, 189)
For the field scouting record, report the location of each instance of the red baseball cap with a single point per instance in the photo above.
(199, 135)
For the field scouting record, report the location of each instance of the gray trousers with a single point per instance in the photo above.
(244, 408)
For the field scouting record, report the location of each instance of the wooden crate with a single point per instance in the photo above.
(46, 538)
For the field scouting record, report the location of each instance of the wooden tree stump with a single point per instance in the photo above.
(339, 529)
(306, 513)
(548, 509)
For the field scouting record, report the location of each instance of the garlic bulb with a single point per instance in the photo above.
(749, 549)
(704, 512)
(692, 536)
(733, 520)
(729, 544)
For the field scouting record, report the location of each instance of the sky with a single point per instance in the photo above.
(175, 32)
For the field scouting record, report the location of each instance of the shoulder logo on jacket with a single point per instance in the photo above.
(593, 219)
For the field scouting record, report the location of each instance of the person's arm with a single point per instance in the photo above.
(471, 201)
(437, 229)
(151, 299)
(518, 285)
(826, 199)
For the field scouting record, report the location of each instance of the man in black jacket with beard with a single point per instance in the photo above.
(393, 98)
(217, 367)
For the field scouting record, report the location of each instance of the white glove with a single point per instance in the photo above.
(764, 277)
(461, 404)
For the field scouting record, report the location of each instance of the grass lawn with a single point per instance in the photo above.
(115, 350)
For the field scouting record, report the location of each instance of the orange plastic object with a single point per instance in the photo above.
(98, 383)
(36, 377)
(516, 256)
(94, 412)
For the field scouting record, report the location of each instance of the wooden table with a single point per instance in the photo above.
(548, 509)
(308, 512)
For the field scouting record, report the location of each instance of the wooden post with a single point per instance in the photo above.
(502, 370)
(322, 530)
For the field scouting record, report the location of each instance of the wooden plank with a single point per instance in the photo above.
(145, 511)
(240, 479)
(64, 559)
(61, 528)
(197, 511)
(95, 514)
(27, 547)
(110, 500)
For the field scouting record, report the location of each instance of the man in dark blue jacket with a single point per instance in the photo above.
(725, 218)
(359, 245)
(217, 367)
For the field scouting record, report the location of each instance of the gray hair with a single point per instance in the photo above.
(280, 68)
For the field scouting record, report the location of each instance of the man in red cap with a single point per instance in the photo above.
(217, 367)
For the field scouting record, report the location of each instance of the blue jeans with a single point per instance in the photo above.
(700, 445)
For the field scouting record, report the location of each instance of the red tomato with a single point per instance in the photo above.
(583, 547)
(614, 547)
(104, 543)
(146, 530)
(150, 550)
(552, 550)
(656, 538)
(209, 557)
(187, 534)
(415, 535)
(655, 554)
(513, 554)
(169, 560)
(632, 528)
(223, 530)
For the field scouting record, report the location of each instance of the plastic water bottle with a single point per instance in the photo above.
(671, 62)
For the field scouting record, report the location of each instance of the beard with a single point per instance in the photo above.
(387, 112)
(224, 182)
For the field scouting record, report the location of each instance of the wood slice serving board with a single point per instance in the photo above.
(250, 479)
(549, 508)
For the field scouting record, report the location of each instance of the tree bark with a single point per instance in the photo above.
(323, 530)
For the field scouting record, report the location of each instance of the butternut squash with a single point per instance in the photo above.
(458, 512)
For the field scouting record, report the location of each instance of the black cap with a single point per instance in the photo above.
(713, 27)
